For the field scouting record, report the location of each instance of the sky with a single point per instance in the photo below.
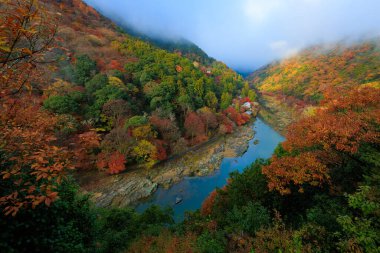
(247, 34)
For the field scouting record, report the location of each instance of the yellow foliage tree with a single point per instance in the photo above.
(144, 152)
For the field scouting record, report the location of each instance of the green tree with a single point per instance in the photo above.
(249, 218)
(136, 121)
(211, 100)
(362, 230)
(211, 243)
(96, 83)
(85, 69)
(226, 100)
(61, 104)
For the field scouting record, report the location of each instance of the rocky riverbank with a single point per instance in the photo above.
(128, 188)
(277, 113)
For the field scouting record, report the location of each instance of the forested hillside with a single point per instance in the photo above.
(139, 102)
(293, 87)
(78, 93)
(181, 46)
(319, 72)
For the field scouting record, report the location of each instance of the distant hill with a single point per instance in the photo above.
(316, 72)
(183, 46)
(293, 87)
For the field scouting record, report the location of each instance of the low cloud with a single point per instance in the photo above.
(247, 34)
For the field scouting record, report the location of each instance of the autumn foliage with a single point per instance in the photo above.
(113, 163)
(237, 117)
(208, 203)
(299, 170)
(318, 73)
(194, 125)
(31, 164)
(319, 142)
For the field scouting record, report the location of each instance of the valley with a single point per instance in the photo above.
(115, 139)
(126, 189)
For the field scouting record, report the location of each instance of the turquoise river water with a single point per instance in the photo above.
(193, 190)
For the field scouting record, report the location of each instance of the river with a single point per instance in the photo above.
(193, 190)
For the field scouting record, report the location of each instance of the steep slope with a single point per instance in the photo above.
(78, 93)
(181, 46)
(294, 85)
(145, 102)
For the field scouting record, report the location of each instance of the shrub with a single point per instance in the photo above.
(85, 69)
(61, 104)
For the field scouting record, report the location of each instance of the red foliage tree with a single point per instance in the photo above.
(299, 170)
(236, 116)
(166, 127)
(161, 153)
(115, 65)
(32, 163)
(194, 125)
(113, 163)
(116, 163)
(226, 125)
(244, 100)
(208, 203)
(84, 146)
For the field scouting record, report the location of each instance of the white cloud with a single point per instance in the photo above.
(247, 34)
(278, 45)
(260, 10)
(282, 48)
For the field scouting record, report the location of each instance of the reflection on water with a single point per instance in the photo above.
(193, 190)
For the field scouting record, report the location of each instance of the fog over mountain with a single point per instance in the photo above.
(247, 34)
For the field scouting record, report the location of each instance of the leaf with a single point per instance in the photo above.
(6, 176)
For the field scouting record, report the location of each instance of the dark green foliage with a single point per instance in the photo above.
(67, 226)
(85, 69)
(361, 228)
(211, 243)
(119, 227)
(251, 185)
(73, 224)
(249, 218)
(96, 83)
(102, 96)
(325, 211)
(63, 104)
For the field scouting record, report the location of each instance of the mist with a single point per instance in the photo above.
(247, 34)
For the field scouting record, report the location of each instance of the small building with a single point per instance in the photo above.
(247, 105)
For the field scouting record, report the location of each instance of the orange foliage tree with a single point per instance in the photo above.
(114, 163)
(27, 32)
(31, 165)
(84, 146)
(208, 203)
(326, 139)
